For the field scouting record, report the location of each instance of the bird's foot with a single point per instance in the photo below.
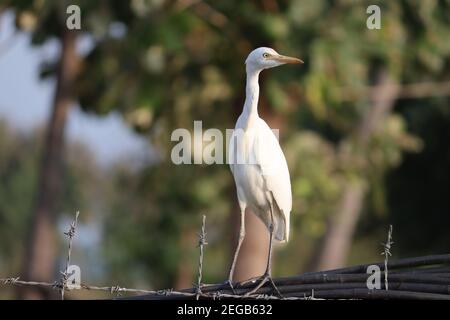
(262, 281)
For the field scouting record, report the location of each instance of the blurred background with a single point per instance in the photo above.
(86, 118)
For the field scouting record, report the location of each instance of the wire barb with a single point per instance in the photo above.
(425, 277)
(70, 235)
(387, 253)
(10, 280)
(201, 243)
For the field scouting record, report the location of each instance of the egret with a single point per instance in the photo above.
(258, 164)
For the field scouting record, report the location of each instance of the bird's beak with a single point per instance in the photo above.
(286, 59)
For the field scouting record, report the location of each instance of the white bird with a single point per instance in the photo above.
(258, 164)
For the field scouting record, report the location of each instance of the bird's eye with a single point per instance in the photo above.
(265, 55)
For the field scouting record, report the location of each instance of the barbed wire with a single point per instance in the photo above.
(387, 253)
(201, 244)
(63, 286)
(118, 290)
(70, 234)
(425, 277)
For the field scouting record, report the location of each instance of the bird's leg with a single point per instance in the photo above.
(267, 276)
(238, 248)
(268, 273)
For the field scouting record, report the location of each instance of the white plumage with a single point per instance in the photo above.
(257, 162)
(262, 178)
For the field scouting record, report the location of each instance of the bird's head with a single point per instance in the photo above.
(264, 58)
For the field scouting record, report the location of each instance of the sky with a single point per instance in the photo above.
(25, 100)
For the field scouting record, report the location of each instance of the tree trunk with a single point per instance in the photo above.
(40, 256)
(337, 242)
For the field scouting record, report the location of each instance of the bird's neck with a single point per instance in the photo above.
(250, 111)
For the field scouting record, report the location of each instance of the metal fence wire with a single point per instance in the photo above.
(424, 278)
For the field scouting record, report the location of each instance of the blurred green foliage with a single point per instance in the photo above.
(163, 64)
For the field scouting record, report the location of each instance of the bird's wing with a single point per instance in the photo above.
(231, 152)
(235, 139)
(270, 157)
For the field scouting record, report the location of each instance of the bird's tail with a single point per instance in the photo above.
(281, 231)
